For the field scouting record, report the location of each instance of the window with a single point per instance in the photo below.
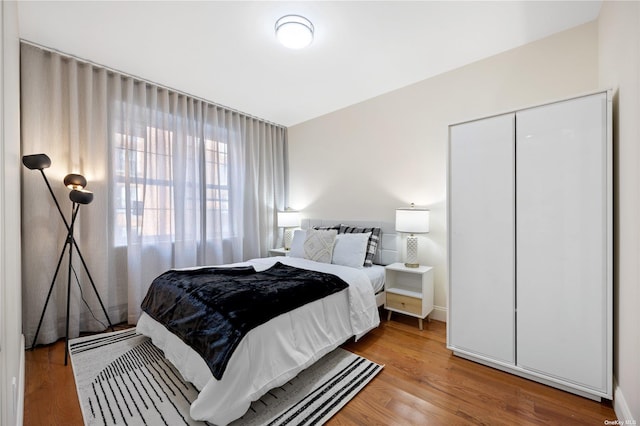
(145, 188)
(217, 189)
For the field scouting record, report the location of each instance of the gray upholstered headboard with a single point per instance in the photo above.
(388, 250)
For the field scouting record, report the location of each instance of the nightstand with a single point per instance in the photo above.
(409, 291)
(278, 252)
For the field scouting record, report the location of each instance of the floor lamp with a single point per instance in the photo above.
(78, 197)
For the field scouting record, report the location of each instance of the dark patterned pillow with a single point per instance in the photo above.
(372, 245)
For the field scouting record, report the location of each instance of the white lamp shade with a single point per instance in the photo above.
(289, 219)
(412, 220)
(294, 32)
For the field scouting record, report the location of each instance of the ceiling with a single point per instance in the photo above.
(226, 52)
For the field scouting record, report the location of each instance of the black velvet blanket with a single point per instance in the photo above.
(212, 309)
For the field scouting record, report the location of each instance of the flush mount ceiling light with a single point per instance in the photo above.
(294, 31)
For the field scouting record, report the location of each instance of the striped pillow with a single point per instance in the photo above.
(372, 245)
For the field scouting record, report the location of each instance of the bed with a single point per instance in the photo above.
(276, 351)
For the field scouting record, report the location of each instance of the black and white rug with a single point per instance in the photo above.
(123, 379)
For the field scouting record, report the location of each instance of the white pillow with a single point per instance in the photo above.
(297, 243)
(318, 246)
(350, 249)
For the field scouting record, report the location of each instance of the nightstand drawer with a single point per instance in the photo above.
(404, 303)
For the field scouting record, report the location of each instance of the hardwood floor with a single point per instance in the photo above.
(421, 383)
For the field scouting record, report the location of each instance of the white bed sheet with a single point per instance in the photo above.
(376, 276)
(276, 351)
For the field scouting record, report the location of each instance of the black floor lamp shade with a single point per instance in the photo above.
(81, 196)
(75, 181)
(36, 161)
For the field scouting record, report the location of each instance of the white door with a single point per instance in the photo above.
(561, 199)
(481, 238)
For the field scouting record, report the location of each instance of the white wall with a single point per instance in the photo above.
(363, 161)
(11, 345)
(619, 68)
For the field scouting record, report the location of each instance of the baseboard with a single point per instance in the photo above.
(620, 406)
(439, 313)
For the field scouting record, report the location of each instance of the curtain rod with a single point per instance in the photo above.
(144, 80)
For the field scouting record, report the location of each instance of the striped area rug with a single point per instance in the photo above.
(123, 379)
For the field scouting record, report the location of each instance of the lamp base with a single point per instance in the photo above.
(288, 238)
(412, 252)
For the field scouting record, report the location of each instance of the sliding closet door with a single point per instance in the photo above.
(561, 198)
(481, 238)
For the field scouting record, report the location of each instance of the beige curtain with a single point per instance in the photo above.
(177, 182)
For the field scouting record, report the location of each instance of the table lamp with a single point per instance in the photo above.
(288, 219)
(412, 220)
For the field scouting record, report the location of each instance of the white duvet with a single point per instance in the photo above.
(276, 351)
